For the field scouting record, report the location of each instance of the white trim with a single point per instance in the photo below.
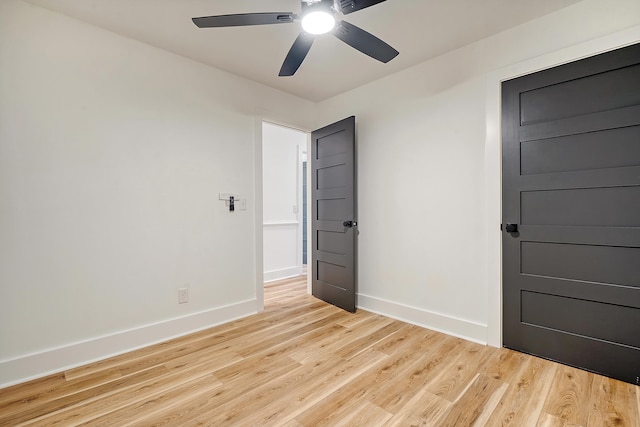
(284, 273)
(310, 238)
(449, 325)
(258, 239)
(493, 153)
(281, 224)
(299, 204)
(37, 365)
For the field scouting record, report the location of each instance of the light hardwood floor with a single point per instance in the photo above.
(305, 363)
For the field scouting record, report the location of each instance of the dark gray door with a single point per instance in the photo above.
(333, 214)
(571, 185)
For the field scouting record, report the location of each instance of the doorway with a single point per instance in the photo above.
(284, 181)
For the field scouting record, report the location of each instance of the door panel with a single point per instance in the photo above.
(332, 177)
(610, 148)
(581, 262)
(332, 242)
(576, 97)
(594, 207)
(571, 181)
(582, 317)
(333, 203)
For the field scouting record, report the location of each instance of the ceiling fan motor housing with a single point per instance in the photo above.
(325, 5)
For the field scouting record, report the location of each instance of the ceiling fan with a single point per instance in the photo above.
(317, 17)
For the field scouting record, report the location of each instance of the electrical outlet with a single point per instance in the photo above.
(183, 295)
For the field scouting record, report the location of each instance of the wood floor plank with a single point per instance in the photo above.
(29, 391)
(82, 409)
(136, 413)
(285, 290)
(548, 420)
(217, 358)
(314, 350)
(504, 364)
(306, 325)
(424, 409)
(361, 316)
(225, 411)
(365, 414)
(19, 401)
(395, 341)
(304, 394)
(366, 387)
(613, 403)
(412, 349)
(304, 363)
(234, 388)
(466, 363)
(118, 397)
(234, 411)
(339, 403)
(259, 407)
(68, 397)
(569, 396)
(425, 354)
(366, 341)
(258, 336)
(476, 404)
(292, 423)
(638, 399)
(528, 389)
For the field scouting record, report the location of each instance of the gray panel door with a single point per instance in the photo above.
(571, 186)
(333, 214)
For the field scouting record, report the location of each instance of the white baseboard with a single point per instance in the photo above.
(460, 328)
(51, 361)
(285, 273)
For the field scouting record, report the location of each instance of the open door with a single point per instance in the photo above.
(333, 214)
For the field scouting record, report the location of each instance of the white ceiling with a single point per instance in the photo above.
(419, 29)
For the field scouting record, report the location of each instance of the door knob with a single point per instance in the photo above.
(511, 228)
(348, 224)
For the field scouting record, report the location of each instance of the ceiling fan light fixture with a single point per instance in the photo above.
(318, 17)
(318, 22)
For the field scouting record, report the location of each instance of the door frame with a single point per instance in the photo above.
(258, 204)
(493, 155)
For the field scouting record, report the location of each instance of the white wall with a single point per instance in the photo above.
(429, 167)
(281, 159)
(112, 155)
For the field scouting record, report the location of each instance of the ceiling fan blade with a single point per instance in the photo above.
(349, 6)
(242, 19)
(296, 54)
(364, 42)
